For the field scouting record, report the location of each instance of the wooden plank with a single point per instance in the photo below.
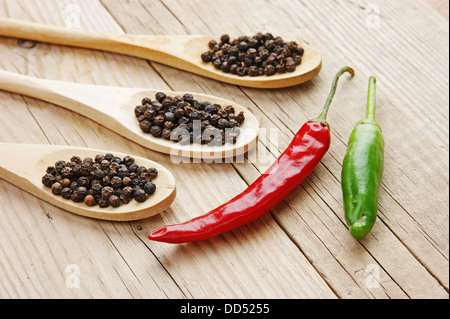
(115, 259)
(420, 246)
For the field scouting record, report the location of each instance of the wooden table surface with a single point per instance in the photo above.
(302, 248)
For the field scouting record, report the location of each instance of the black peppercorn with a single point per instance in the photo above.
(90, 200)
(97, 173)
(99, 158)
(280, 68)
(179, 112)
(81, 191)
(48, 180)
(128, 191)
(243, 46)
(225, 38)
(188, 97)
(156, 131)
(140, 195)
(67, 172)
(79, 194)
(240, 71)
(116, 182)
(60, 165)
(138, 110)
(166, 133)
(160, 96)
(233, 68)
(106, 181)
(159, 120)
(85, 169)
(206, 56)
(113, 166)
(83, 181)
(103, 202)
(126, 181)
(107, 191)
(149, 188)
(253, 70)
(146, 100)
(270, 70)
(114, 201)
(76, 159)
(66, 192)
(222, 123)
(133, 168)
(124, 199)
(51, 170)
(212, 43)
(117, 160)
(290, 66)
(128, 160)
(123, 171)
(57, 188)
(65, 182)
(210, 108)
(217, 63)
(73, 186)
(240, 117)
(108, 156)
(225, 67)
(96, 189)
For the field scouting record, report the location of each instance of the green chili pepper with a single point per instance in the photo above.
(362, 170)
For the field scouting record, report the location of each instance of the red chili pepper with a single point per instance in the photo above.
(292, 167)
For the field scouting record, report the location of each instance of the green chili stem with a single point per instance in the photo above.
(370, 113)
(323, 116)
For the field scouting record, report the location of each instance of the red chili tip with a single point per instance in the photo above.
(157, 234)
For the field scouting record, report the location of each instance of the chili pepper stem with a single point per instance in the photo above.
(371, 99)
(322, 118)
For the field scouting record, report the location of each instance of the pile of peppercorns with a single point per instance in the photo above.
(261, 54)
(106, 180)
(185, 120)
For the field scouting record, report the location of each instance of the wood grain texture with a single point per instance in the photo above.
(302, 248)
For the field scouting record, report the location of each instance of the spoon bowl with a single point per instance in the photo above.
(113, 107)
(179, 51)
(24, 165)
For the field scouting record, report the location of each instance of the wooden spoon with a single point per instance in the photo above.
(182, 52)
(24, 165)
(113, 107)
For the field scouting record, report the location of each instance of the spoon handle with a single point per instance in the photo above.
(168, 50)
(80, 98)
(59, 35)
